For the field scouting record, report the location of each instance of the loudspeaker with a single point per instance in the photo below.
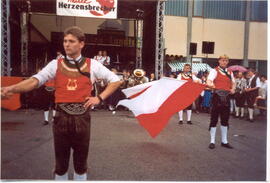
(204, 47)
(211, 47)
(193, 48)
(208, 47)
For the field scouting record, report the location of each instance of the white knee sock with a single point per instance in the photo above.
(236, 111)
(231, 106)
(61, 177)
(53, 112)
(224, 131)
(242, 111)
(213, 134)
(189, 112)
(250, 111)
(180, 113)
(46, 115)
(79, 177)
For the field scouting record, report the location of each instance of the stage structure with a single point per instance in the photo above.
(24, 17)
(139, 37)
(159, 57)
(5, 38)
(149, 32)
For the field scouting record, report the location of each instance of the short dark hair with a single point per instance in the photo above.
(263, 76)
(251, 70)
(187, 65)
(75, 31)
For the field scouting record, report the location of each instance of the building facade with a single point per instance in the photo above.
(231, 25)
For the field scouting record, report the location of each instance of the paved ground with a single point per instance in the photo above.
(121, 149)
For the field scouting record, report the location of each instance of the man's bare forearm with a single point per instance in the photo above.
(25, 85)
(210, 84)
(110, 89)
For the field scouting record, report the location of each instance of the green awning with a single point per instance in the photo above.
(196, 67)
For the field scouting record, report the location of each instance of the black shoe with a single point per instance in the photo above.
(241, 117)
(45, 123)
(251, 120)
(180, 122)
(111, 108)
(189, 122)
(212, 146)
(226, 145)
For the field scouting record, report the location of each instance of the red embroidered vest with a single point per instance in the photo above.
(70, 85)
(222, 82)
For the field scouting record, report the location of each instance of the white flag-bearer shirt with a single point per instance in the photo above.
(97, 71)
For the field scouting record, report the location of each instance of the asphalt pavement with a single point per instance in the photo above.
(120, 149)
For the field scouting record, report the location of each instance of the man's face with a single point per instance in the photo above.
(72, 45)
(240, 75)
(223, 62)
(187, 69)
(250, 74)
(263, 79)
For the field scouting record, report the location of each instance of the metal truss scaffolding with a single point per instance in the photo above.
(139, 42)
(24, 42)
(5, 38)
(159, 39)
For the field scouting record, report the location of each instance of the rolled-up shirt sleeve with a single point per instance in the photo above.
(98, 71)
(212, 75)
(232, 76)
(258, 83)
(47, 73)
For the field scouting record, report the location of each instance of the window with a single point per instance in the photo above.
(176, 7)
(198, 8)
(258, 11)
(220, 9)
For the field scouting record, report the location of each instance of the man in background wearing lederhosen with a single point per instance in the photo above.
(99, 57)
(74, 77)
(107, 59)
(253, 85)
(48, 100)
(186, 75)
(240, 86)
(222, 81)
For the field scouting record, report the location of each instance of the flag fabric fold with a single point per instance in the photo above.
(137, 90)
(155, 102)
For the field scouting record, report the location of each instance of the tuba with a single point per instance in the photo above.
(138, 73)
(137, 78)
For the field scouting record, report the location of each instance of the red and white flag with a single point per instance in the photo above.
(155, 102)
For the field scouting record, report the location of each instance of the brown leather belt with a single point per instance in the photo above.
(72, 108)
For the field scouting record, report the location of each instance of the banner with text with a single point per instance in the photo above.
(87, 8)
